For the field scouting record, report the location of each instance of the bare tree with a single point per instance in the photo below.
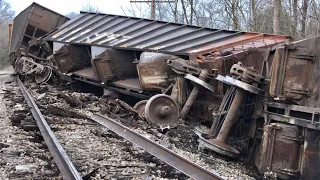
(185, 12)
(71, 14)
(304, 17)
(88, 7)
(276, 16)
(191, 11)
(295, 17)
(253, 15)
(234, 10)
(6, 14)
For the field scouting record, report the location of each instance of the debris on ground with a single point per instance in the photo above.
(180, 138)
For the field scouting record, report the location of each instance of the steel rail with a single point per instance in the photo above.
(185, 166)
(61, 158)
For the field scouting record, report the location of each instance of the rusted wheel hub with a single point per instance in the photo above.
(140, 107)
(161, 109)
(44, 76)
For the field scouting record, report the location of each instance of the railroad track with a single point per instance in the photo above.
(61, 158)
(69, 170)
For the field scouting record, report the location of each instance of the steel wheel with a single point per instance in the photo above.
(161, 109)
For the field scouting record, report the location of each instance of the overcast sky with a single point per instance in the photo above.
(66, 6)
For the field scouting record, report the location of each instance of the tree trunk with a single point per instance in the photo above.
(184, 12)
(304, 17)
(153, 9)
(253, 15)
(175, 11)
(276, 16)
(234, 11)
(295, 17)
(191, 11)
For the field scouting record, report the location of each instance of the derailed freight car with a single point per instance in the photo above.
(263, 84)
(32, 23)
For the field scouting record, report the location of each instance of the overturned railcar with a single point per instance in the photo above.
(258, 88)
(31, 24)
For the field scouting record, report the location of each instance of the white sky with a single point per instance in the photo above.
(66, 6)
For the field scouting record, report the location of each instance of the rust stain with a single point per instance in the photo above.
(240, 44)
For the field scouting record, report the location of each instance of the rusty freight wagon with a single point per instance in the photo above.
(259, 85)
(32, 23)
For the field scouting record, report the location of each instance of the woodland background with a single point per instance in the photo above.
(296, 18)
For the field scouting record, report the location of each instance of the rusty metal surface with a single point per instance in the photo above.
(161, 109)
(296, 73)
(181, 66)
(35, 16)
(112, 64)
(154, 73)
(310, 161)
(237, 45)
(252, 59)
(194, 93)
(140, 107)
(129, 84)
(293, 114)
(280, 150)
(247, 75)
(199, 82)
(218, 147)
(239, 84)
(86, 73)
(187, 167)
(219, 144)
(71, 58)
(179, 91)
(133, 33)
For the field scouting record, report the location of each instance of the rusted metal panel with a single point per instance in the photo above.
(114, 64)
(289, 151)
(154, 73)
(310, 161)
(280, 150)
(86, 73)
(71, 58)
(139, 34)
(241, 43)
(33, 22)
(129, 84)
(296, 73)
(252, 59)
(293, 114)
